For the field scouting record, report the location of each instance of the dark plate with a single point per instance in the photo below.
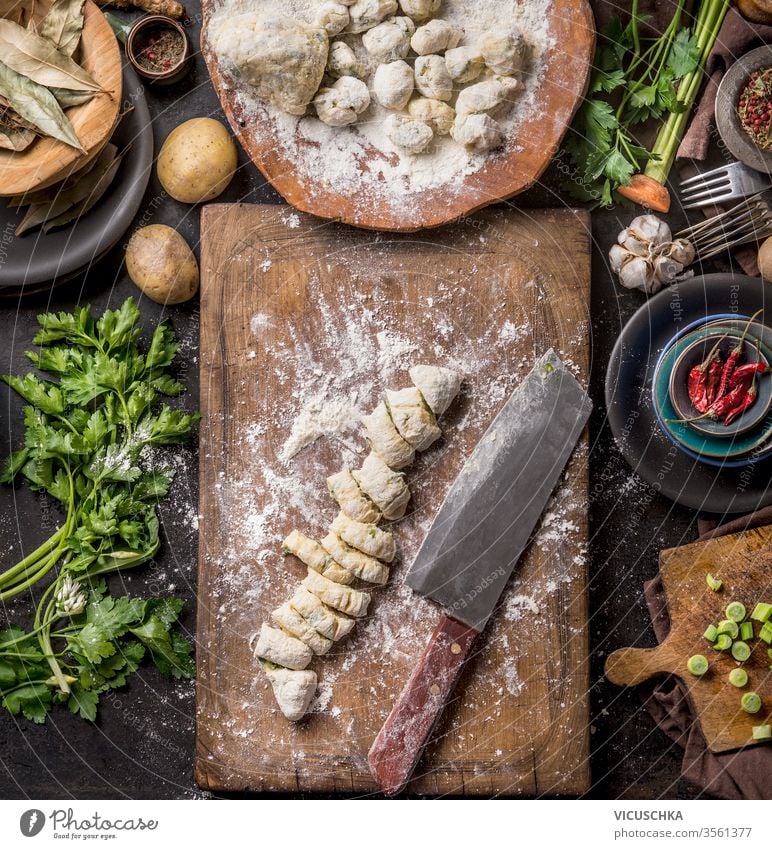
(33, 261)
(631, 415)
(728, 124)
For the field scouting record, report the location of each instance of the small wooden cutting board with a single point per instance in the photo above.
(744, 563)
(296, 309)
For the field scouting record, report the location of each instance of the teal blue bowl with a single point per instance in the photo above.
(742, 450)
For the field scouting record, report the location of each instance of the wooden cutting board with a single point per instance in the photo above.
(295, 308)
(744, 563)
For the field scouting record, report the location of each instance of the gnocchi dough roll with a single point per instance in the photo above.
(282, 649)
(438, 385)
(351, 500)
(327, 622)
(352, 602)
(292, 689)
(309, 551)
(366, 568)
(385, 487)
(365, 538)
(385, 439)
(412, 417)
(290, 620)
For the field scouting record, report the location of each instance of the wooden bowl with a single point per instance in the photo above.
(46, 160)
(561, 87)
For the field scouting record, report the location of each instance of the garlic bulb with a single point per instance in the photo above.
(646, 257)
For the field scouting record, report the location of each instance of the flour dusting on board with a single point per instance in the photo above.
(361, 157)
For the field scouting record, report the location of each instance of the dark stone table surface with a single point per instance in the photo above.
(142, 744)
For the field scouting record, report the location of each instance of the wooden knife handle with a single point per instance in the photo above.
(399, 744)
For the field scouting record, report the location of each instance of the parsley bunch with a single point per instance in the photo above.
(86, 428)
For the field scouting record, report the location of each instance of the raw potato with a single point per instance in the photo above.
(477, 133)
(487, 96)
(438, 115)
(438, 386)
(420, 10)
(293, 690)
(326, 621)
(342, 104)
(160, 262)
(765, 259)
(385, 439)
(315, 557)
(464, 64)
(368, 539)
(197, 160)
(432, 78)
(393, 84)
(365, 14)
(506, 53)
(351, 500)
(342, 62)
(383, 486)
(284, 59)
(281, 648)
(407, 133)
(366, 568)
(412, 417)
(288, 619)
(435, 37)
(351, 602)
(333, 17)
(390, 40)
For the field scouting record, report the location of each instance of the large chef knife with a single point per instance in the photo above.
(472, 547)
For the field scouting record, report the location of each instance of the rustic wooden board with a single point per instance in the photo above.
(744, 563)
(287, 301)
(511, 171)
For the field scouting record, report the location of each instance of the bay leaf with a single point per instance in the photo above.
(66, 97)
(37, 58)
(41, 212)
(63, 25)
(37, 105)
(16, 140)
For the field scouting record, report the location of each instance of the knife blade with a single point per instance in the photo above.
(474, 544)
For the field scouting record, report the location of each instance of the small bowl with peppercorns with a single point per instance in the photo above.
(158, 49)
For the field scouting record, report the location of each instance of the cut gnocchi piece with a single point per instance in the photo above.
(410, 135)
(438, 115)
(477, 133)
(315, 557)
(365, 14)
(464, 64)
(393, 84)
(438, 386)
(383, 486)
(333, 17)
(389, 41)
(366, 538)
(351, 500)
(343, 102)
(292, 689)
(331, 624)
(412, 417)
(342, 62)
(487, 96)
(420, 10)
(432, 78)
(289, 620)
(281, 648)
(505, 53)
(385, 440)
(346, 600)
(366, 568)
(435, 37)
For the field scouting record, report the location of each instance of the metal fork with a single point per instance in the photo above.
(729, 182)
(749, 221)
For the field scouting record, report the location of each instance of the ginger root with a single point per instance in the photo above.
(171, 8)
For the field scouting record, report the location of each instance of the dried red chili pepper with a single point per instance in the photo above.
(734, 358)
(732, 399)
(745, 402)
(749, 369)
(703, 380)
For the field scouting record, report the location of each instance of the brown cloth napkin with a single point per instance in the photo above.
(741, 774)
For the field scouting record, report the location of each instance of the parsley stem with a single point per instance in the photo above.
(32, 558)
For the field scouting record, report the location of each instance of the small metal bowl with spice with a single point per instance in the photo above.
(744, 109)
(158, 49)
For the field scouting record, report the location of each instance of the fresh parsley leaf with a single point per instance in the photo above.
(47, 397)
(33, 701)
(83, 702)
(170, 653)
(684, 56)
(91, 642)
(118, 328)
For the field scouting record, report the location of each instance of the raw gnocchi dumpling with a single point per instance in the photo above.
(365, 14)
(408, 134)
(505, 53)
(477, 133)
(438, 115)
(420, 10)
(412, 417)
(464, 64)
(383, 486)
(366, 538)
(352, 602)
(438, 386)
(282, 649)
(366, 568)
(435, 37)
(390, 40)
(293, 690)
(315, 557)
(342, 62)
(342, 103)
(351, 500)
(385, 440)
(432, 78)
(288, 619)
(393, 84)
(333, 625)
(282, 58)
(487, 96)
(334, 17)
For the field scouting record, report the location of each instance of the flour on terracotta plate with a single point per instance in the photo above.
(361, 158)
